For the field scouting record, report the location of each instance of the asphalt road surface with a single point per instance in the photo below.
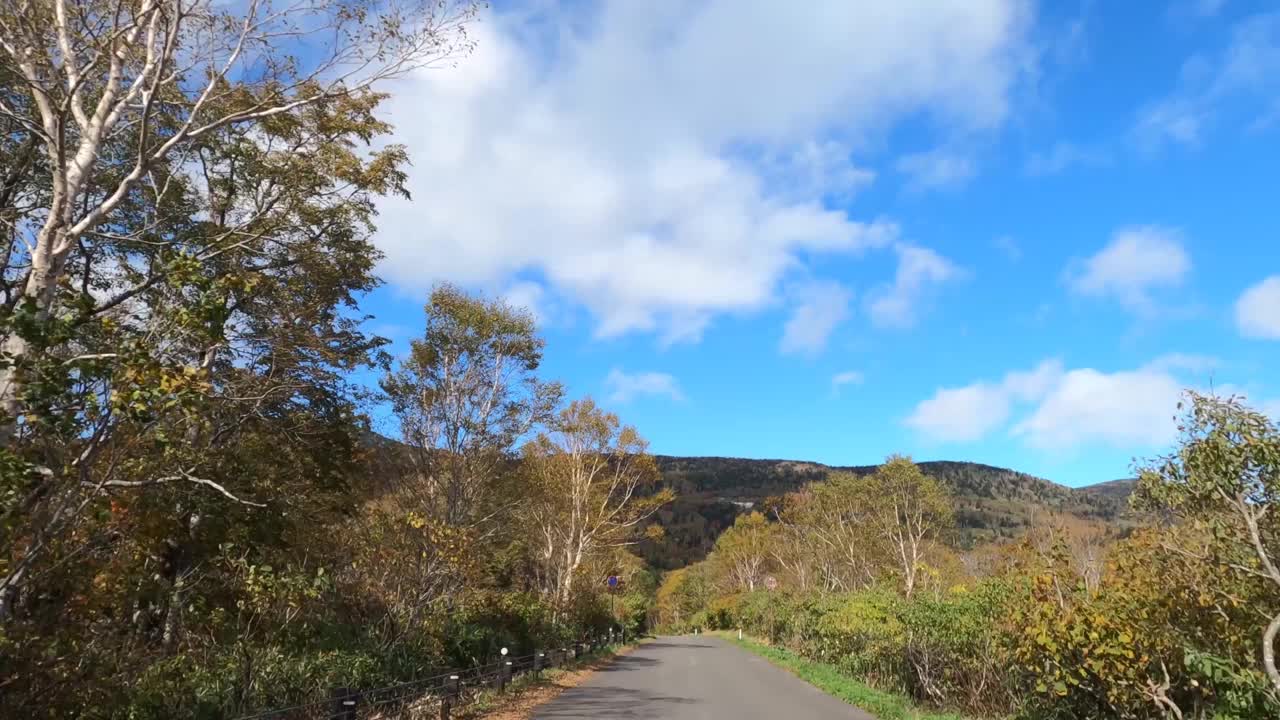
(695, 678)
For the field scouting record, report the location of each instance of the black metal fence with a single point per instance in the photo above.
(435, 696)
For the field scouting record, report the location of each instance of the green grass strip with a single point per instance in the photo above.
(827, 678)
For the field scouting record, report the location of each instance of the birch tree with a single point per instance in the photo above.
(465, 395)
(907, 510)
(119, 94)
(742, 552)
(840, 547)
(592, 487)
(174, 168)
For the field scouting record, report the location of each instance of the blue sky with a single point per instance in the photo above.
(987, 230)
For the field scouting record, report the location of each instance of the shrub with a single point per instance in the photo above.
(955, 650)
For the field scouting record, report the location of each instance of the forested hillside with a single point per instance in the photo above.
(1089, 614)
(990, 503)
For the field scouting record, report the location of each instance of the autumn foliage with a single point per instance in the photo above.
(1074, 620)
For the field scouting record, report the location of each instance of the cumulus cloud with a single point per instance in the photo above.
(1135, 262)
(920, 271)
(623, 387)
(528, 295)
(1258, 310)
(1050, 407)
(661, 164)
(1122, 409)
(814, 169)
(969, 413)
(823, 305)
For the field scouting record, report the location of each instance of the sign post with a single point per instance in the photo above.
(612, 582)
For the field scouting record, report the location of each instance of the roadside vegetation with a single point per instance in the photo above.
(1176, 618)
(198, 518)
(829, 678)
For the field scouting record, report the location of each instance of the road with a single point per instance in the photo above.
(695, 678)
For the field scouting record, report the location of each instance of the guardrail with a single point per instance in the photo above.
(433, 696)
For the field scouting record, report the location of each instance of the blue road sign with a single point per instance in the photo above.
(613, 581)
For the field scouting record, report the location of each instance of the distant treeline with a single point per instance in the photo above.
(990, 503)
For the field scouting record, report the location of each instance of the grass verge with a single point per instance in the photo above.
(829, 679)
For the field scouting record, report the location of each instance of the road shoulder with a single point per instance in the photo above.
(827, 678)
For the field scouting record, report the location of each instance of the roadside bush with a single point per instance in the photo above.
(769, 615)
(861, 633)
(721, 613)
(955, 651)
(1165, 635)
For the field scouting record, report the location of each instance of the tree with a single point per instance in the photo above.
(742, 551)
(186, 208)
(681, 595)
(466, 393)
(907, 510)
(591, 487)
(141, 392)
(1225, 477)
(120, 98)
(834, 536)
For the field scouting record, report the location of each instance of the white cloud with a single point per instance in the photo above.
(848, 377)
(920, 270)
(1243, 79)
(1136, 261)
(1199, 364)
(823, 305)
(528, 295)
(936, 169)
(1065, 155)
(1258, 310)
(814, 169)
(1053, 408)
(623, 387)
(1123, 409)
(1175, 120)
(661, 164)
(969, 413)
(961, 414)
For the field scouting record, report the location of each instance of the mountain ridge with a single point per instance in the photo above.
(992, 503)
